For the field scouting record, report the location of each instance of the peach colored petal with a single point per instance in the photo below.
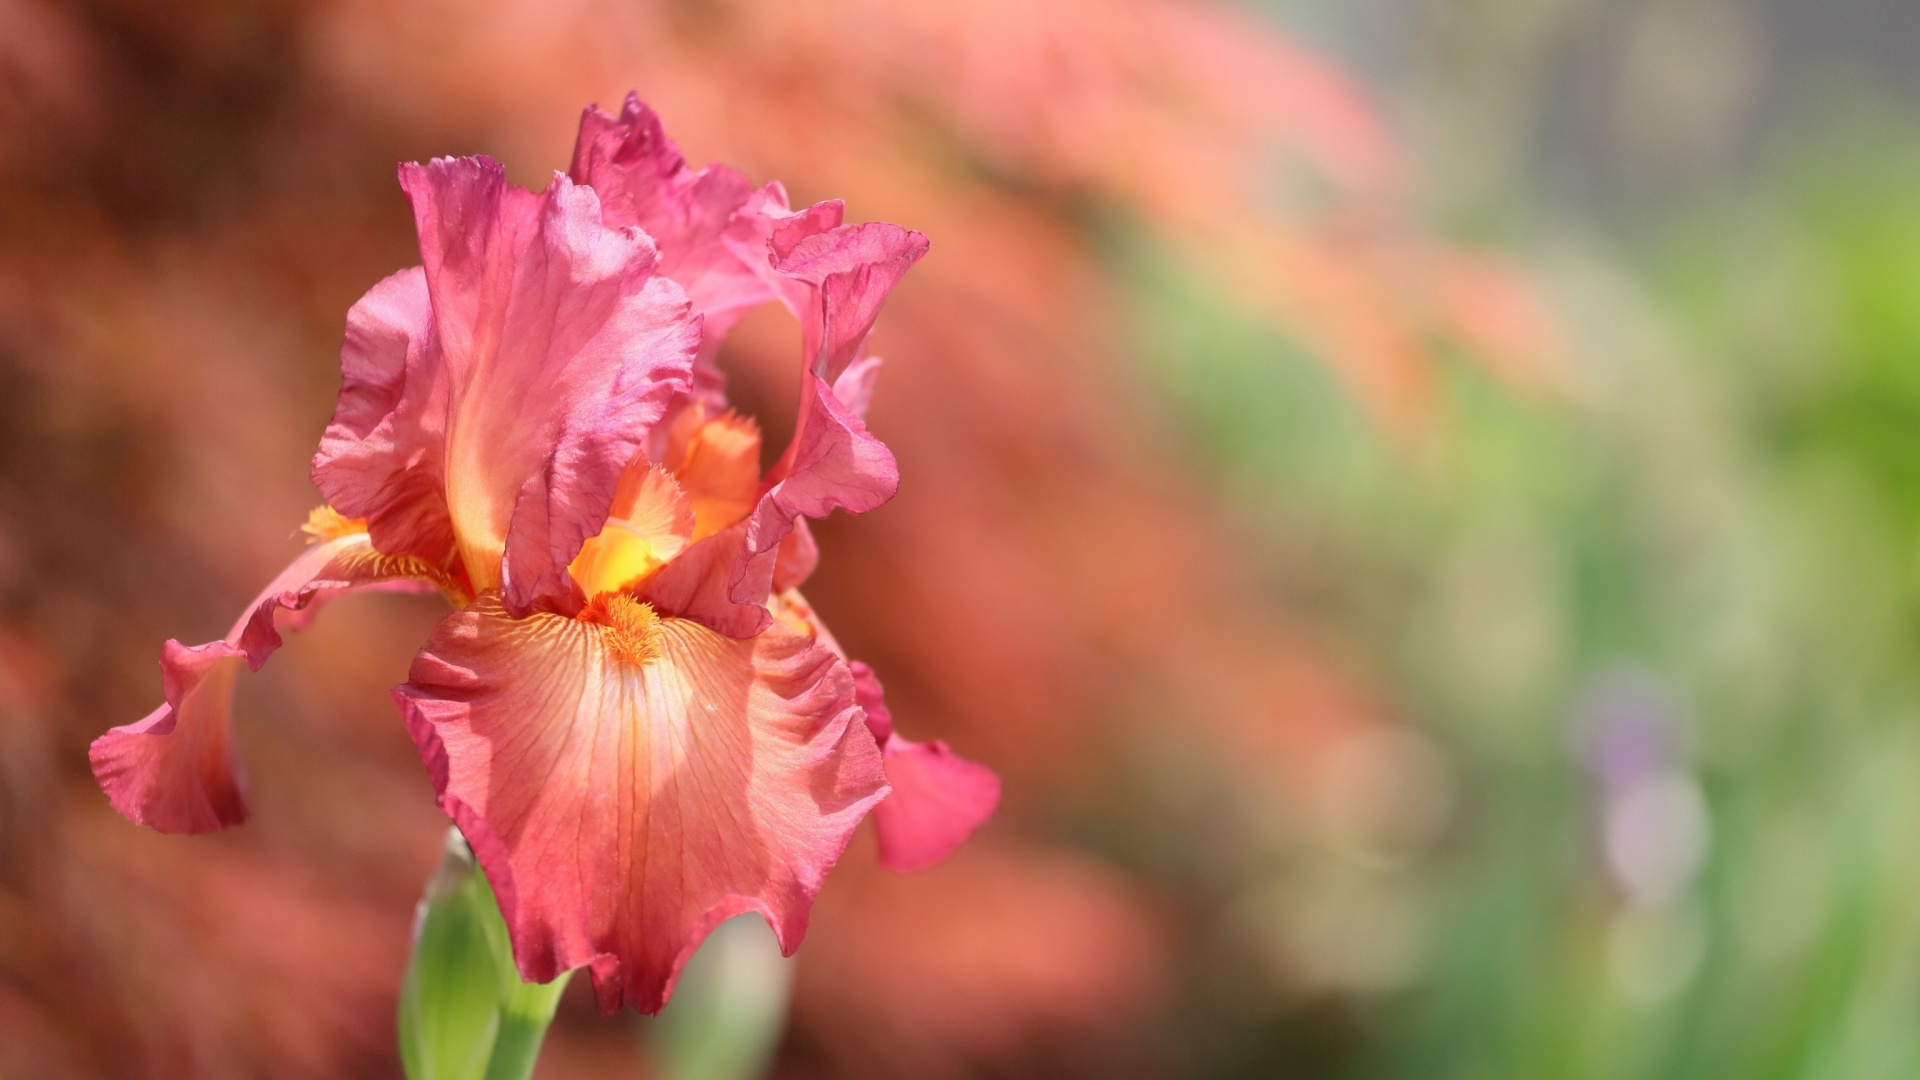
(176, 770)
(629, 783)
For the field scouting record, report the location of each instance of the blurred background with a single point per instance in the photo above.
(1414, 498)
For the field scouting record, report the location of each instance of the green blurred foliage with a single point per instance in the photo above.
(1726, 508)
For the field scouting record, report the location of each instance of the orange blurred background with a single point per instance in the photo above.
(192, 195)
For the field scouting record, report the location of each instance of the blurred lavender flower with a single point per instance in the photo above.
(1655, 826)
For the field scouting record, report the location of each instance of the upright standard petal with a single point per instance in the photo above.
(699, 219)
(563, 346)
(839, 276)
(833, 462)
(176, 770)
(939, 798)
(554, 346)
(382, 457)
(628, 782)
(850, 270)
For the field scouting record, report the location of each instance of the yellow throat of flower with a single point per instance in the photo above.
(649, 525)
(709, 481)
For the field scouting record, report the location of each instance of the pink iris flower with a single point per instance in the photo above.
(633, 716)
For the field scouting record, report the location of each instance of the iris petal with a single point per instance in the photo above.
(939, 798)
(624, 801)
(176, 770)
(382, 458)
(836, 277)
(712, 225)
(849, 270)
(554, 345)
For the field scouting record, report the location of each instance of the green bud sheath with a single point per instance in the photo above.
(465, 1014)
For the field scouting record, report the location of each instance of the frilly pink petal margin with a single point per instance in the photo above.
(733, 246)
(176, 770)
(842, 275)
(710, 225)
(383, 455)
(851, 269)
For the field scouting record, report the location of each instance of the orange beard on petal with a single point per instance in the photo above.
(632, 628)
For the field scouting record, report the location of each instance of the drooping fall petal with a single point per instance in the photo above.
(554, 346)
(938, 797)
(629, 782)
(176, 769)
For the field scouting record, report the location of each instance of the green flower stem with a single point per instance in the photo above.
(465, 1014)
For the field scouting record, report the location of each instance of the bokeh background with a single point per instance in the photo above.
(1416, 498)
